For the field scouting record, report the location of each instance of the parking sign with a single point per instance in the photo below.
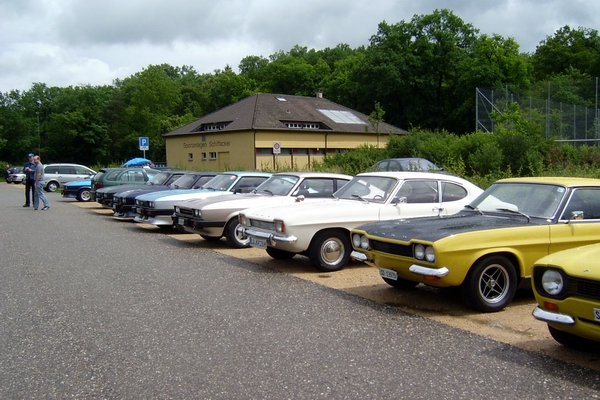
(144, 143)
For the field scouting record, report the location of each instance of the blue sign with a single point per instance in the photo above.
(144, 143)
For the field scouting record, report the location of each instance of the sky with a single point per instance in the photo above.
(93, 42)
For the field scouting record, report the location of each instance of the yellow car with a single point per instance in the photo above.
(567, 288)
(489, 247)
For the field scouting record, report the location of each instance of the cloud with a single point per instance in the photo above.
(71, 42)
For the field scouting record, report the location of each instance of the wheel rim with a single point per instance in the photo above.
(85, 195)
(494, 283)
(332, 251)
(240, 237)
(52, 187)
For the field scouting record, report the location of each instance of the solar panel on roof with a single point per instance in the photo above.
(342, 117)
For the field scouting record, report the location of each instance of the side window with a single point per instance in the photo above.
(315, 188)
(421, 192)
(132, 176)
(381, 166)
(82, 171)
(200, 182)
(51, 170)
(248, 183)
(66, 170)
(394, 166)
(586, 201)
(112, 175)
(452, 192)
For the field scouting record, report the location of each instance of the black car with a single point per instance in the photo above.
(105, 195)
(124, 201)
(405, 164)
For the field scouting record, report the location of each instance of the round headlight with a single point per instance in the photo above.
(429, 254)
(151, 204)
(177, 210)
(364, 242)
(552, 282)
(356, 240)
(419, 251)
(197, 213)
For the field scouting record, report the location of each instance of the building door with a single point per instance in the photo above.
(223, 158)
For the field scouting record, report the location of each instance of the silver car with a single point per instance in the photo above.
(57, 175)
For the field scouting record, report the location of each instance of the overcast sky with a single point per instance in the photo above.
(78, 42)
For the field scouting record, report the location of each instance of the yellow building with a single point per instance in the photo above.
(267, 130)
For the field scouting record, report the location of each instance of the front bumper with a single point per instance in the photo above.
(153, 216)
(552, 317)
(271, 238)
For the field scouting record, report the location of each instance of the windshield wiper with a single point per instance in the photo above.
(515, 212)
(474, 209)
(360, 197)
(268, 191)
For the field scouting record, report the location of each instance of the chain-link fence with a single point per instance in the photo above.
(561, 121)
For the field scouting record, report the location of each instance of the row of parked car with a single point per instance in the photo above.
(56, 175)
(415, 227)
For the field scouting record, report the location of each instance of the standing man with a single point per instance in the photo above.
(29, 171)
(39, 185)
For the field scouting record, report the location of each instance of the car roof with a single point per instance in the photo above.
(309, 174)
(554, 180)
(410, 175)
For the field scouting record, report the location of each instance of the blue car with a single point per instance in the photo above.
(80, 190)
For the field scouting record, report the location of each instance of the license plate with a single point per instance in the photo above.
(180, 221)
(258, 243)
(597, 314)
(388, 273)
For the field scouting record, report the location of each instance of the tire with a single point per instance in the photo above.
(490, 285)
(400, 283)
(234, 238)
(210, 238)
(573, 341)
(52, 186)
(280, 254)
(330, 250)
(84, 195)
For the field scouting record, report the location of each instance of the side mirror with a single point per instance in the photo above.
(300, 198)
(399, 200)
(576, 216)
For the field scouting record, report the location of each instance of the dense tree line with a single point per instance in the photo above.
(422, 73)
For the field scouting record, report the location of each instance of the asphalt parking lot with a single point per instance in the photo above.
(94, 307)
(514, 325)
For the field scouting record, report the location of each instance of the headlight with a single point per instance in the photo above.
(429, 254)
(177, 209)
(425, 253)
(150, 204)
(197, 213)
(360, 241)
(419, 251)
(243, 220)
(552, 282)
(279, 226)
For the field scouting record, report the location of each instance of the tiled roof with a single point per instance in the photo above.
(266, 111)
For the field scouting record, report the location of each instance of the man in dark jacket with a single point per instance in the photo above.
(29, 171)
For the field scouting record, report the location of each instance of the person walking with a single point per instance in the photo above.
(39, 185)
(29, 171)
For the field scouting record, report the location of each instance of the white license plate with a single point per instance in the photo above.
(180, 221)
(597, 314)
(258, 243)
(388, 273)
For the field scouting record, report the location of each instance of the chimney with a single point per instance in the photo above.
(319, 94)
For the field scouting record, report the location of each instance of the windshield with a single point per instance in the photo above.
(159, 179)
(278, 185)
(184, 181)
(534, 200)
(221, 182)
(368, 188)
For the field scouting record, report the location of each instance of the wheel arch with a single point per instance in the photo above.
(512, 257)
(328, 229)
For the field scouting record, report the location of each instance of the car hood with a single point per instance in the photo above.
(171, 199)
(435, 228)
(83, 182)
(580, 262)
(122, 188)
(131, 193)
(238, 201)
(175, 192)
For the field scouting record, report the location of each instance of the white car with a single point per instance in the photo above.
(157, 208)
(321, 229)
(216, 217)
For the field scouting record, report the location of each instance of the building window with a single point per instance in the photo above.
(263, 152)
(213, 155)
(204, 156)
(190, 156)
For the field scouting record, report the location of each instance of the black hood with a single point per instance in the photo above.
(436, 228)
